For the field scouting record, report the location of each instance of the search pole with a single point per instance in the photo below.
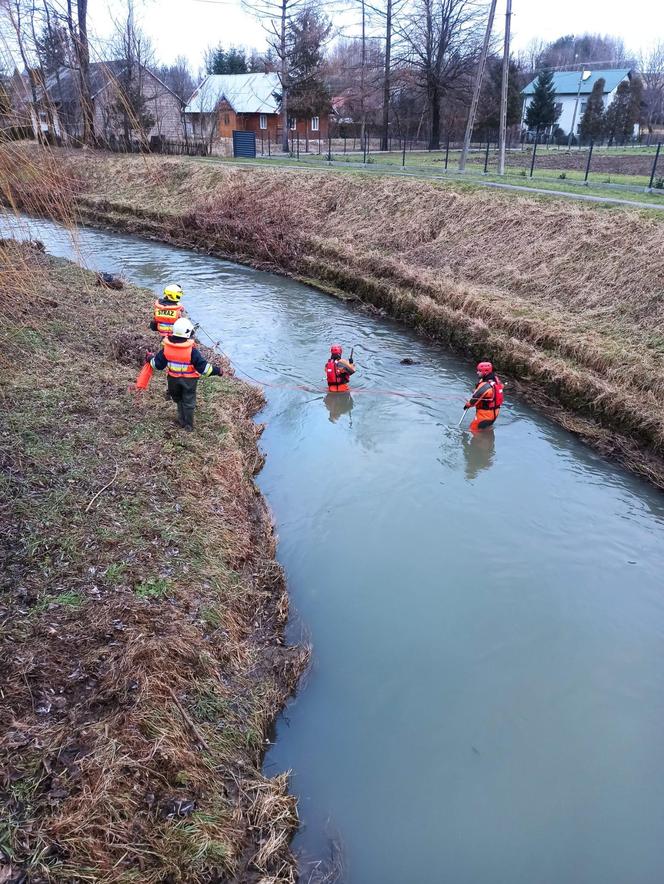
(504, 91)
(478, 85)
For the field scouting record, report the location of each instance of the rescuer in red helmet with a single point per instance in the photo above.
(338, 370)
(486, 399)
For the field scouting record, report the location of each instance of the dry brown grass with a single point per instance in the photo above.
(142, 649)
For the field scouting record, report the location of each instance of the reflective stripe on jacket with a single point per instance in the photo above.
(165, 315)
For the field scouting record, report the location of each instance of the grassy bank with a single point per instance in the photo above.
(566, 298)
(142, 609)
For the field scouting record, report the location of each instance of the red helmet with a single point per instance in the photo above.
(336, 350)
(484, 368)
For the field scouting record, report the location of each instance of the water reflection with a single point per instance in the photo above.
(339, 404)
(501, 729)
(479, 450)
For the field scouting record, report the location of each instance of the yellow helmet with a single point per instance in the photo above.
(173, 293)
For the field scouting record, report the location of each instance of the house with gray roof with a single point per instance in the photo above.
(158, 114)
(224, 103)
(570, 84)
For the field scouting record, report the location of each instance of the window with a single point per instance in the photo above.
(227, 119)
(263, 121)
(315, 124)
(584, 105)
(292, 123)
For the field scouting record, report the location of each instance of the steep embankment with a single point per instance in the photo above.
(142, 653)
(567, 299)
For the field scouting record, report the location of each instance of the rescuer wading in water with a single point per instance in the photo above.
(167, 310)
(486, 399)
(338, 370)
(185, 366)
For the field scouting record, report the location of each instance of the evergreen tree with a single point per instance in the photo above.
(542, 112)
(227, 61)
(624, 111)
(488, 112)
(54, 48)
(309, 95)
(592, 123)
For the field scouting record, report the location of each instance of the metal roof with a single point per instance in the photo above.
(567, 82)
(246, 94)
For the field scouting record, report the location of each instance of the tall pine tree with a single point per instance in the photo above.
(542, 112)
(592, 123)
(226, 61)
(624, 111)
(309, 95)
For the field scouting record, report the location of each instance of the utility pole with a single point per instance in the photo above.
(478, 85)
(576, 106)
(504, 91)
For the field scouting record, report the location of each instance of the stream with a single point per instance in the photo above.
(486, 699)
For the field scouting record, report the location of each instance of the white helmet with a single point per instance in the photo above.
(183, 328)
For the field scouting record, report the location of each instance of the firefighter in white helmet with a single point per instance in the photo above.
(186, 365)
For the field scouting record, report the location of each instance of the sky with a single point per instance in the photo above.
(187, 27)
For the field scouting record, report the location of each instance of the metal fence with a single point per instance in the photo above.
(632, 165)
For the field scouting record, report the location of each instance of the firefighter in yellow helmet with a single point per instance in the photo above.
(167, 310)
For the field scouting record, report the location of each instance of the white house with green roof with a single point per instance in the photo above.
(567, 83)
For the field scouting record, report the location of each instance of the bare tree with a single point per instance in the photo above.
(132, 101)
(19, 15)
(651, 68)
(441, 39)
(80, 36)
(177, 77)
(277, 16)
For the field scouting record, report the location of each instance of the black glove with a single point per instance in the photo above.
(153, 325)
(467, 406)
(217, 372)
(351, 361)
(148, 356)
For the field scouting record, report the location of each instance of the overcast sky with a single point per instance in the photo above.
(187, 27)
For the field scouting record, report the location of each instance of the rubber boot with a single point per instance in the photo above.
(180, 417)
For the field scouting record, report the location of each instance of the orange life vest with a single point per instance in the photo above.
(179, 359)
(165, 316)
(337, 378)
(488, 406)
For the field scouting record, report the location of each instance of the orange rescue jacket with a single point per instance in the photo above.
(178, 357)
(165, 316)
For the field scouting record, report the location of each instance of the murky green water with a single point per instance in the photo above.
(486, 703)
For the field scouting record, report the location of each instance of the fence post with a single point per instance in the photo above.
(269, 144)
(654, 166)
(329, 147)
(364, 150)
(344, 145)
(532, 163)
(403, 158)
(590, 156)
(447, 152)
(298, 144)
(486, 157)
